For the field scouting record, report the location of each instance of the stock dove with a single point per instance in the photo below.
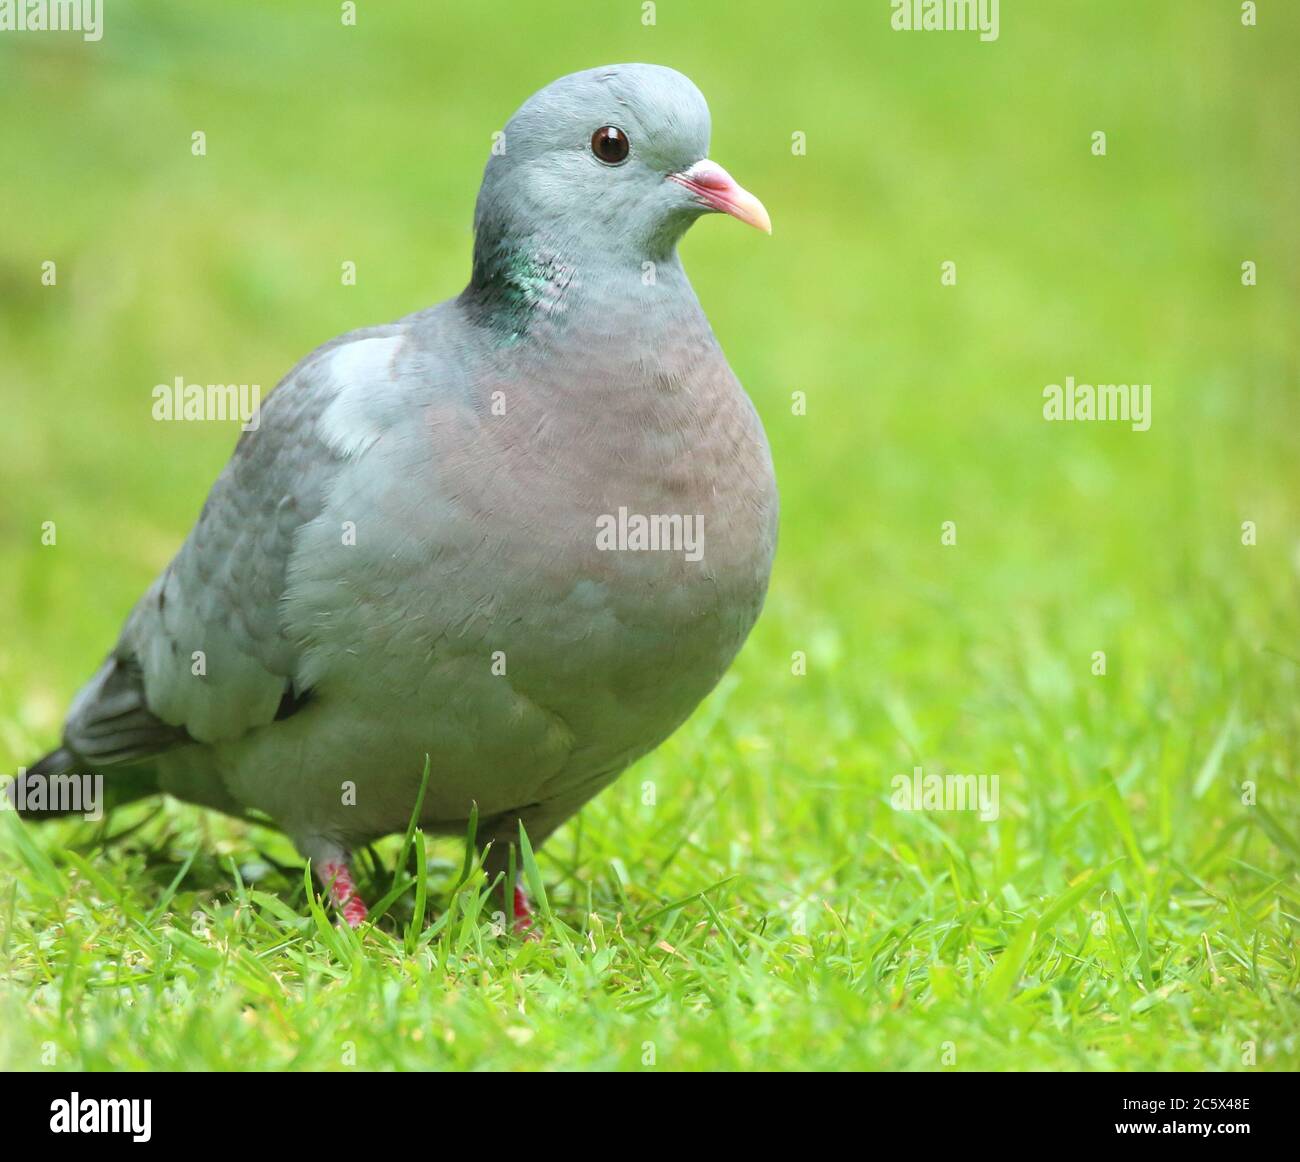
(523, 532)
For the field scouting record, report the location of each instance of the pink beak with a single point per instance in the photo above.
(717, 189)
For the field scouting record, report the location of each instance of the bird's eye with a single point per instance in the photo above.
(610, 145)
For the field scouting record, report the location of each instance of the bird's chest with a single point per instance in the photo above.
(613, 557)
(637, 534)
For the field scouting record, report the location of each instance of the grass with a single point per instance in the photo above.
(747, 897)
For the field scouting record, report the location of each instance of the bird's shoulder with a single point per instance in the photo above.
(205, 655)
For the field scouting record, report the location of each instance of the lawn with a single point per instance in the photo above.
(1103, 618)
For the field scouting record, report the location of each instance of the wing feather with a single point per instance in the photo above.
(205, 655)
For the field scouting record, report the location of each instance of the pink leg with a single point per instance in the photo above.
(335, 875)
(523, 910)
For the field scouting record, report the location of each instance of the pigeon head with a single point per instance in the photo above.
(609, 165)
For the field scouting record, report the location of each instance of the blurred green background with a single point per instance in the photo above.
(328, 144)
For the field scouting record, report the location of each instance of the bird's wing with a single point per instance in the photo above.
(204, 656)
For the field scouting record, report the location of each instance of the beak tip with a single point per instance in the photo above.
(719, 191)
(753, 214)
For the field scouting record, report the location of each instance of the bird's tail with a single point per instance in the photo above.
(54, 788)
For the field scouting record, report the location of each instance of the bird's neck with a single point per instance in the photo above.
(516, 279)
(534, 285)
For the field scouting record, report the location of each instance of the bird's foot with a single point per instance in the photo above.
(336, 876)
(523, 914)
